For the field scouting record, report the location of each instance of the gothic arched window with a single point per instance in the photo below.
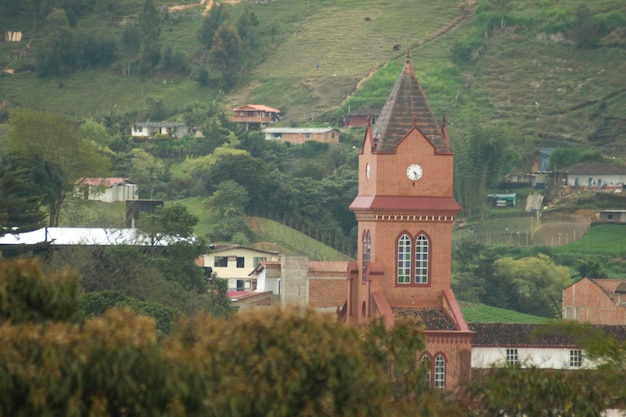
(440, 372)
(367, 244)
(404, 259)
(421, 259)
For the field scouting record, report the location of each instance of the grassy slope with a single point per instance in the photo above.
(601, 239)
(315, 53)
(480, 313)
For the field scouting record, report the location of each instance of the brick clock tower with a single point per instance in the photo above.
(405, 209)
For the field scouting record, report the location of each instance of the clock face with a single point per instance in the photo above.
(367, 170)
(414, 172)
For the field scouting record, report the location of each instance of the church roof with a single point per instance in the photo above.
(406, 107)
(433, 318)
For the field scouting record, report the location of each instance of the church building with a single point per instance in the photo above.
(405, 209)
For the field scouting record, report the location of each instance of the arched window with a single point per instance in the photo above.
(421, 259)
(440, 372)
(404, 259)
(426, 369)
(367, 243)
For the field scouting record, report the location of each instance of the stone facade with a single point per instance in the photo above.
(597, 301)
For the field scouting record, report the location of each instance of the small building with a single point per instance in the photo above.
(613, 216)
(255, 116)
(106, 189)
(526, 345)
(297, 135)
(596, 176)
(501, 200)
(297, 280)
(597, 301)
(361, 117)
(234, 262)
(150, 129)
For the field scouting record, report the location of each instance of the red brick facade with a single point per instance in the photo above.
(597, 301)
(395, 205)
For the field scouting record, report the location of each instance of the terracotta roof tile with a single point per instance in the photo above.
(258, 107)
(107, 182)
(328, 266)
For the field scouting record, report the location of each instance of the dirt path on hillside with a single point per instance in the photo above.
(205, 4)
(467, 8)
(558, 229)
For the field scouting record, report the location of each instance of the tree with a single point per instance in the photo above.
(131, 46)
(28, 295)
(57, 147)
(149, 27)
(148, 171)
(280, 362)
(229, 201)
(481, 162)
(91, 129)
(173, 223)
(246, 26)
(537, 283)
(214, 19)
(247, 171)
(57, 55)
(225, 54)
(20, 207)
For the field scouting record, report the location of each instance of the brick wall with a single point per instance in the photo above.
(587, 301)
(328, 291)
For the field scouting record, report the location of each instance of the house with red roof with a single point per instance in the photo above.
(255, 116)
(106, 189)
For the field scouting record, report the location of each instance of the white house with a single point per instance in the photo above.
(499, 344)
(106, 189)
(596, 176)
(234, 263)
(173, 129)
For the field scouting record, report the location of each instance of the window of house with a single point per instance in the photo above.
(404, 259)
(421, 259)
(511, 356)
(609, 216)
(367, 242)
(307, 135)
(220, 261)
(240, 262)
(575, 358)
(440, 372)
(257, 260)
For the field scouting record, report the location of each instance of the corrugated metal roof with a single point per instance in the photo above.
(107, 182)
(298, 129)
(81, 236)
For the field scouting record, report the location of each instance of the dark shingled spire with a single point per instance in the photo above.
(406, 108)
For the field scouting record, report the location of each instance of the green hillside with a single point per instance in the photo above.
(520, 66)
(481, 313)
